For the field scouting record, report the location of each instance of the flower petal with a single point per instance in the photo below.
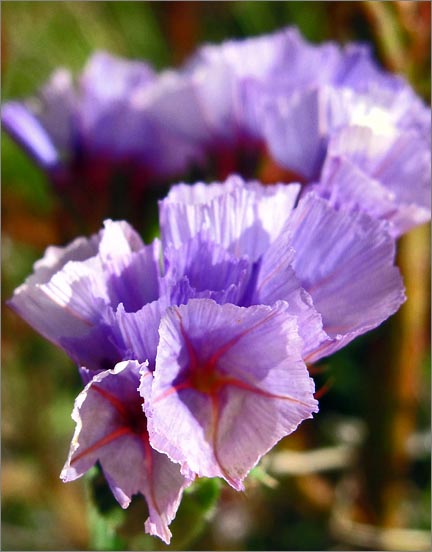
(398, 187)
(111, 428)
(139, 330)
(244, 220)
(347, 268)
(209, 267)
(24, 127)
(215, 361)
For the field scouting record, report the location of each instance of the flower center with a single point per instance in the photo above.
(135, 419)
(205, 378)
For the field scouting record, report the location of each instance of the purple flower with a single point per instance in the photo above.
(386, 176)
(291, 95)
(104, 135)
(72, 297)
(229, 383)
(219, 318)
(298, 126)
(227, 109)
(112, 429)
(246, 244)
(339, 283)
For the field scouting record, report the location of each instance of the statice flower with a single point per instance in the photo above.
(306, 103)
(386, 176)
(105, 135)
(193, 349)
(112, 429)
(343, 278)
(96, 299)
(233, 107)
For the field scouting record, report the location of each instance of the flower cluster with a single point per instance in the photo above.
(193, 348)
(316, 111)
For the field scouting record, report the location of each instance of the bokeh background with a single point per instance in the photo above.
(358, 476)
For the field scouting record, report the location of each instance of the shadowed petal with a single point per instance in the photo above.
(112, 429)
(208, 266)
(139, 330)
(277, 280)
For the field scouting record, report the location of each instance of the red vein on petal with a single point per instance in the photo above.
(215, 434)
(189, 346)
(120, 432)
(248, 387)
(171, 390)
(225, 348)
(149, 468)
(115, 402)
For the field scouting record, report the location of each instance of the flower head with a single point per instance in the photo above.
(229, 383)
(72, 297)
(112, 429)
(213, 324)
(230, 108)
(339, 283)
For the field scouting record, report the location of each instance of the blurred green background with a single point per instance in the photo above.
(343, 481)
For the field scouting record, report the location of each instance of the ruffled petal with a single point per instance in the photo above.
(345, 261)
(208, 267)
(139, 330)
(130, 268)
(244, 220)
(386, 177)
(213, 363)
(111, 429)
(276, 280)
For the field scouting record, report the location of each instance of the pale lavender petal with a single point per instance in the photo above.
(72, 296)
(201, 192)
(119, 236)
(24, 127)
(357, 70)
(130, 268)
(208, 266)
(139, 330)
(245, 220)
(296, 129)
(112, 429)
(267, 57)
(276, 280)
(55, 257)
(73, 312)
(213, 363)
(107, 118)
(56, 109)
(173, 104)
(219, 100)
(348, 269)
(398, 189)
(109, 78)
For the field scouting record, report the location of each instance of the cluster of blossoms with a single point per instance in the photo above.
(323, 114)
(193, 348)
